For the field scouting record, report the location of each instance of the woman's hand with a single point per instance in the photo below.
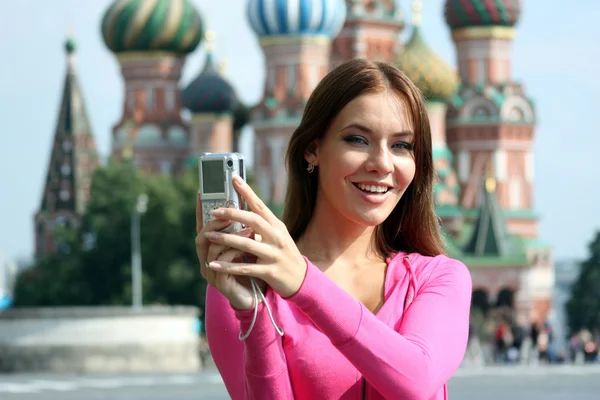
(236, 289)
(279, 262)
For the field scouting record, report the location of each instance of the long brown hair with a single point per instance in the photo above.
(413, 225)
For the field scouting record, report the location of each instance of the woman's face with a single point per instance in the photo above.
(365, 161)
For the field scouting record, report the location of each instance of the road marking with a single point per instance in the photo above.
(59, 386)
(181, 380)
(571, 370)
(76, 383)
(17, 388)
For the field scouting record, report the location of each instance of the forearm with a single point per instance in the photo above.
(412, 362)
(255, 368)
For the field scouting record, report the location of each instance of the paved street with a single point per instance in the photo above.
(493, 383)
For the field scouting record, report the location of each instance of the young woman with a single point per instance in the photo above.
(355, 275)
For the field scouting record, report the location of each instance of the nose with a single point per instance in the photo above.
(380, 160)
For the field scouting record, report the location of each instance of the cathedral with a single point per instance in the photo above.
(482, 119)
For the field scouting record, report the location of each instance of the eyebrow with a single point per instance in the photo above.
(364, 129)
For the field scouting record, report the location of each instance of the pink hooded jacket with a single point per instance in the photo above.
(335, 348)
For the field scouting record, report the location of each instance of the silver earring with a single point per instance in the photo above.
(310, 168)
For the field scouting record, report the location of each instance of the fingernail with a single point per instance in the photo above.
(239, 181)
(212, 235)
(214, 265)
(218, 212)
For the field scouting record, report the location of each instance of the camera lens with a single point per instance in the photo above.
(229, 163)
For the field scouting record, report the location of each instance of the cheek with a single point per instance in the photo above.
(405, 171)
(335, 172)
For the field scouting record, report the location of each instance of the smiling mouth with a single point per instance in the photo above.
(372, 189)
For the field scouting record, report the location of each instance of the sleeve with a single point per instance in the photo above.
(255, 368)
(412, 362)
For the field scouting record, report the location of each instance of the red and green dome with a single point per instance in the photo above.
(475, 13)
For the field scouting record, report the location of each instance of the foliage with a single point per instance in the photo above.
(92, 265)
(583, 308)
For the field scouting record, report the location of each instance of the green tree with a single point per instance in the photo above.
(583, 308)
(93, 264)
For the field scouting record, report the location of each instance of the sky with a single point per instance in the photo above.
(553, 56)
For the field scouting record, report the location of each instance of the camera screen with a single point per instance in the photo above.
(213, 177)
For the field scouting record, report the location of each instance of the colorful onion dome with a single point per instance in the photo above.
(297, 17)
(433, 76)
(152, 25)
(209, 92)
(471, 13)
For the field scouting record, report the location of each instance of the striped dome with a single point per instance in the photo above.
(296, 17)
(471, 13)
(152, 25)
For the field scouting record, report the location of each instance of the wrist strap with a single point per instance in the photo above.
(257, 293)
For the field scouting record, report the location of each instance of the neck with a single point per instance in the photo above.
(331, 237)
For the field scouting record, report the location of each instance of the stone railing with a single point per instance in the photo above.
(99, 339)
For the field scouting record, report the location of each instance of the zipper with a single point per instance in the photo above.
(364, 389)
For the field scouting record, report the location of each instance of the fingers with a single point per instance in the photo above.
(202, 242)
(215, 250)
(243, 244)
(239, 269)
(253, 201)
(252, 220)
(230, 255)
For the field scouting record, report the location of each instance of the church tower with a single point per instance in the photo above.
(295, 37)
(371, 30)
(73, 160)
(151, 40)
(491, 118)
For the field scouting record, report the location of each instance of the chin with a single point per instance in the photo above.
(371, 218)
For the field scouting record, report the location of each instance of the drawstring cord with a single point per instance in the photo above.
(258, 297)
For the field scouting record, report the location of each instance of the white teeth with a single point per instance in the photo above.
(372, 188)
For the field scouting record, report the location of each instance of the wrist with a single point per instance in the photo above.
(244, 305)
(299, 277)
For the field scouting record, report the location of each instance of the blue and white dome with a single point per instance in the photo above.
(297, 17)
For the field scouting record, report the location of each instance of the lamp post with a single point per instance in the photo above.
(136, 254)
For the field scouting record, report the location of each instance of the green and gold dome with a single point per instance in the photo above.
(481, 13)
(152, 25)
(433, 76)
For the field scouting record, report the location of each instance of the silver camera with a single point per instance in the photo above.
(216, 184)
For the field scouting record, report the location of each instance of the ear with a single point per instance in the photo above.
(311, 154)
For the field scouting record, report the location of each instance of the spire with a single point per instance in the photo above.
(70, 48)
(209, 65)
(417, 6)
(73, 157)
(490, 237)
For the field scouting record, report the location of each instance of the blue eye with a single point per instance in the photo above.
(355, 140)
(404, 146)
